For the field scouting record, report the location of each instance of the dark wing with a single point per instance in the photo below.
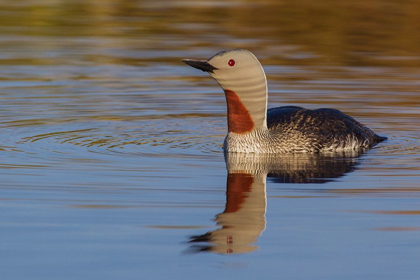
(323, 126)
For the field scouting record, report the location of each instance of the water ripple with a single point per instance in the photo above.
(130, 139)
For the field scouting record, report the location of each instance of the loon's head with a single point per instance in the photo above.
(231, 69)
(242, 77)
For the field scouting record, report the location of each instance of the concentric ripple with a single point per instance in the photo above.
(130, 138)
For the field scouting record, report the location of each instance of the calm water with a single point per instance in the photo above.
(111, 164)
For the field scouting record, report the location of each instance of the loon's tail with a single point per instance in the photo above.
(379, 139)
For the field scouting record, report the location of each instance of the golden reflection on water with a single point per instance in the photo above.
(304, 31)
(325, 41)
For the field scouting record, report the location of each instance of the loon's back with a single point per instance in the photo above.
(318, 130)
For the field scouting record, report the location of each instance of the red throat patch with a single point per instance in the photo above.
(239, 119)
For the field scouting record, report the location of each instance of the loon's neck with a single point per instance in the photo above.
(247, 106)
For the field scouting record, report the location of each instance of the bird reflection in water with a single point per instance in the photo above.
(243, 219)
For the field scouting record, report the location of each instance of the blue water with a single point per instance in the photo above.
(111, 161)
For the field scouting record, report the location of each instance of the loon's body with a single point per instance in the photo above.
(289, 129)
(296, 129)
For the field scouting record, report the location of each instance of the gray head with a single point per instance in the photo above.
(242, 77)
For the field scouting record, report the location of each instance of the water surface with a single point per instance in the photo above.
(111, 163)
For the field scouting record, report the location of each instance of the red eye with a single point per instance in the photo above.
(231, 62)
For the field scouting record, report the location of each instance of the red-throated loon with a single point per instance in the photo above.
(289, 129)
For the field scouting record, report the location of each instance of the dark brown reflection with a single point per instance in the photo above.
(296, 168)
(243, 219)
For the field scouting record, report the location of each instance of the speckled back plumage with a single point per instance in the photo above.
(300, 129)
